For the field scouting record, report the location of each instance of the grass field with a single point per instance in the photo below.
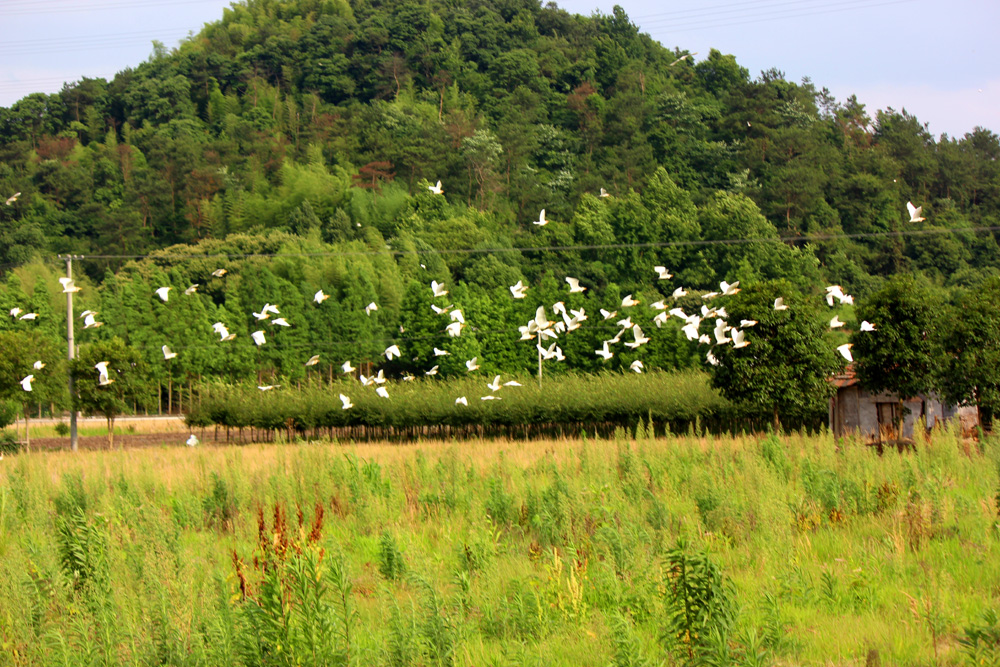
(623, 551)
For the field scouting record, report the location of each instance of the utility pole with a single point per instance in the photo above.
(71, 345)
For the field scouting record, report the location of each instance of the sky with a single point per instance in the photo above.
(939, 61)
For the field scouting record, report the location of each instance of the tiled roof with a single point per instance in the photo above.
(846, 378)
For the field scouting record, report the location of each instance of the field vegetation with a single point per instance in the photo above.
(626, 550)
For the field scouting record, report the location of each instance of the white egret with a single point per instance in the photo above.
(218, 273)
(471, 364)
(436, 188)
(262, 315)
(432, 371)
(313, 360)
(346, 401)
(370, 307)
(747, 323)
(347, 368)
(705, 339)
(440, 353)
(658, 305)
(541, 219)
(38, 365)
(167, 354)
(280, 321)
(408, 378)
(604, 352)
(739, 339)
(440, 311)
(365, 381)
(90, 322)
(518, 290)
(29, 316)
(495, 385)
(382, 391)
(608, 315)
(163, 293)
(438, 288)
(914, 212)
(684, 57)
(867, 326)
(690, 330)
(457, 316)
(461, 400)
(835, 323)
(662, 273)
(191, 290)
(578, 315)
(68, 285)
(490, 397)
(626, 323)
(710, 295)
(511, 383)
(604, 193)
(636, 366)
(640, 339)
(679, 292)
(268, 387)
(574, 285)
(660, 319)
(191, 441)
(710, 358)
(720, 332)
(26, 382)
(13, 198)
(258, 337)
(392, 351)
(779, 304)
(102, 373)
(677, 312)
(845, 351)
(15, 311)
(628, 301)
(320, 297)
(729, 290)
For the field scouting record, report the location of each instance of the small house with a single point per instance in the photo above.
(874, 416)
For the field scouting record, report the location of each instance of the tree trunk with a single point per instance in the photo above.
(111, 431)
(777, 421)
(27, 434)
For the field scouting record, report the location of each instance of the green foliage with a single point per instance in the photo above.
(901, 355)
(128, 386)
(784, 370)
(699, 601)
(390, 560)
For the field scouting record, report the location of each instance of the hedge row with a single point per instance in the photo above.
(424, 405)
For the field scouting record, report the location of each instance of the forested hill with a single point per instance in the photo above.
(316, 126)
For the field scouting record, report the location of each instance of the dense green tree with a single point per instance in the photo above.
(785, 368)
(901, 356)
(127, 389)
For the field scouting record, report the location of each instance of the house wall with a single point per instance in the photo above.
(854, 410)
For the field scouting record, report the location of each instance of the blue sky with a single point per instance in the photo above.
(937, 60)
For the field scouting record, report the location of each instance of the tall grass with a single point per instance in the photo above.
(629, 551)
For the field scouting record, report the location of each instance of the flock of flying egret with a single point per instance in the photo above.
(539, 327)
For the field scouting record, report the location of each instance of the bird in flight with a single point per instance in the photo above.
(684, 57)
(462, 400)
(313, 360)
(347, 368)
(914, 212)
(604, 193)
(163, 293)
(779, 304)
(867, 326)
(26, 382)
(102, 373)
(320, 297)
(662, 273)
(38, 365)
(636, 366)
(392, 351)
(191, 290)
(346, 401)
(518, 290)
(541, 219)
(471, 364)
(191, 441)
(167, 354)
(628, 301)
(370, 307)
(258, 337)
(68, 285)
(845, 351)
(574, 285)
(438, 288)
(13, 198)
(436, 188)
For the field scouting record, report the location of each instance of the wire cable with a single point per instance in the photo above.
(813, 238)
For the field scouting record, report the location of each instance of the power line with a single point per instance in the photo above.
(27, 8)
(813, 238)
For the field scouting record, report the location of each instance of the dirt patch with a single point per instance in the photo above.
(122, 440)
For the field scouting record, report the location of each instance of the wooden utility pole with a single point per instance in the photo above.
(71, 352)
